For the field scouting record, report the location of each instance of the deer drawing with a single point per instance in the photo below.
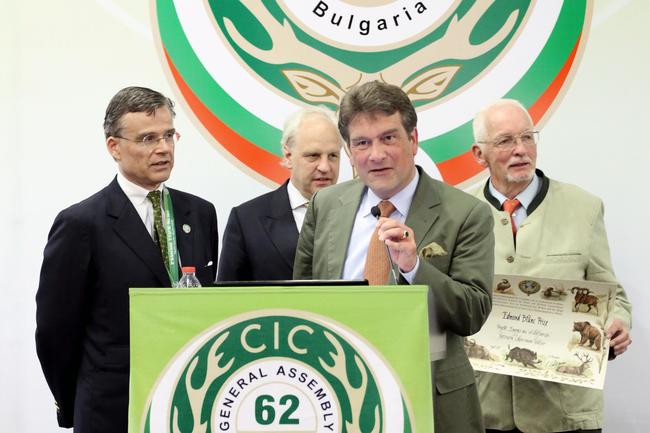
(334, 77)
(577, 370)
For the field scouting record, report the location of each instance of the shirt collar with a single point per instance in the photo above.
(525, 197)
(133, 191)
(402, 200)
(296, 199)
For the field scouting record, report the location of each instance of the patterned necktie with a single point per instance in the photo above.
(377, 263)
(161, 236)
(510, 205)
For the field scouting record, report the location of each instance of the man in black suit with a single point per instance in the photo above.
(260, 239)
(133, 233)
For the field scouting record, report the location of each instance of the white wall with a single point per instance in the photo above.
(598, 139)
(62, 61)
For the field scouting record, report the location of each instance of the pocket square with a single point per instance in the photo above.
(432, 250)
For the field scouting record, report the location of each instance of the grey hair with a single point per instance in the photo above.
(133, 100)
(293, 122)
(479, 125)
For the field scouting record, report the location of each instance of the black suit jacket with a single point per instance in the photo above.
(96, 250)
(259, 242)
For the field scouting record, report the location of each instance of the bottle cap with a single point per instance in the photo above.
(188, 269)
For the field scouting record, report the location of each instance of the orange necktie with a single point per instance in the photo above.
(510, 205)
(377, 263)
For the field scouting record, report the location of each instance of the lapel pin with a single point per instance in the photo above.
(187, 228)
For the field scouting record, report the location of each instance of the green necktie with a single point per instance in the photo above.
(161, 236)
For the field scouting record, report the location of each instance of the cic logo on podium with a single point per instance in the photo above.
(278, 371)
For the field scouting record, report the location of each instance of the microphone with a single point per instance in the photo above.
(377, 213)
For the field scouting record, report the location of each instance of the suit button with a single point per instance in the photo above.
(510, 259)
(504, 221)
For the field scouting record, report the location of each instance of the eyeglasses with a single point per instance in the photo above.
(508, 142)
(151, 140)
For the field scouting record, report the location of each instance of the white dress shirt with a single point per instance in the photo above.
(525, 198)
(364, 227)
(138, 196)
(298, 205)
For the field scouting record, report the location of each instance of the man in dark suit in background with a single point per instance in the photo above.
(133, 233)
(259, 242)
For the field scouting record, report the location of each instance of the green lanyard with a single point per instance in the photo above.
(170, 229)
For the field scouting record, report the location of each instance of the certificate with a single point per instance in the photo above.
(545, 329)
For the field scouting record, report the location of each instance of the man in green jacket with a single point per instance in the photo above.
(436, 235)
(552, 230)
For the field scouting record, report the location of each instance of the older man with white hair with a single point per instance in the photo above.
(543, 228)
(261, 235)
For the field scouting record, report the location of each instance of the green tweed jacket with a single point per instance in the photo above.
(453, 233)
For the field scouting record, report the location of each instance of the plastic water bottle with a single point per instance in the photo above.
(188, 279)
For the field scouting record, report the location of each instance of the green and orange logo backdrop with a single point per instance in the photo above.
(244, 65)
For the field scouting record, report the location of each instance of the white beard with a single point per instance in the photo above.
(526, 177)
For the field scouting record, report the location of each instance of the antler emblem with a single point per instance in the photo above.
(414, 73)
